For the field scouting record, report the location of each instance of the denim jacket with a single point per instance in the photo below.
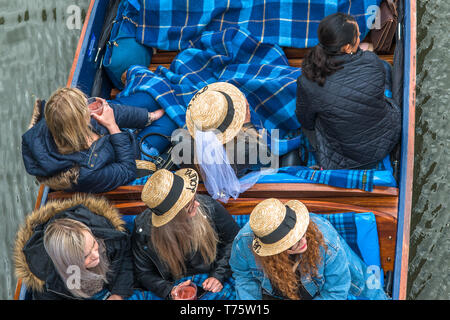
(341, 272)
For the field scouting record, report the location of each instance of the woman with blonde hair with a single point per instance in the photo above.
(182, 237)
(284, 252)
(75, 148)
(75, 249)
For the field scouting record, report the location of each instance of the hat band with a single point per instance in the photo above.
(283, 229)
(230, 114)
(172, 197)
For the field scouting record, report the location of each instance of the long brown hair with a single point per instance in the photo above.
(182, 236)
(67, 117)
(281, 268)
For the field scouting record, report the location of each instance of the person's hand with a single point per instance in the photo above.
(114, 297)
(212, 284)
(366, 46)
(183, 284)
(107, 119)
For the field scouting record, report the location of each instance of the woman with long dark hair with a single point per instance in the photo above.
(341, 102)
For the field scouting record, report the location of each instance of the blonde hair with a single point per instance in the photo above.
(67, 116)
(64, 242)
(182, 236)
(281, 269)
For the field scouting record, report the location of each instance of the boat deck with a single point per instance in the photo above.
(319, 198)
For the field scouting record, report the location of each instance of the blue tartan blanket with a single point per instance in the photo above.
(350, 179)
(175, 24)
(260, 71)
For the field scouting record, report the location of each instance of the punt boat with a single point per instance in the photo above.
(390, 205)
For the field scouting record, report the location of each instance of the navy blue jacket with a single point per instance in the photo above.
(106, 165)
(354, 124)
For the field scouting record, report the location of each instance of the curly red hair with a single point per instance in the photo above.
(281, 269)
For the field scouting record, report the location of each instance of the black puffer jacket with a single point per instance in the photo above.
(355, 125)
(153, 275)
(34, 266)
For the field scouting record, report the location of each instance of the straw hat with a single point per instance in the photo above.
(166, 193)
(145, 165)
(277, 227)
(219, 106)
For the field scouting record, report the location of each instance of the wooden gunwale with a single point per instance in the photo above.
(407, 170)
(42, 194)
(258, 190)
(80, 44)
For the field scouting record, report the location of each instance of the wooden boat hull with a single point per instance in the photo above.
(391, 206)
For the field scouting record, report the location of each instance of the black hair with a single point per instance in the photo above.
(335, 31)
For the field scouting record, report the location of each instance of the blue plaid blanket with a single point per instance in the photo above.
(260, 71)
(350, 179)
(175, 24)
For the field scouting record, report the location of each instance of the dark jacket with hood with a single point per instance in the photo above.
(354, 124)
(106, 165)
(34, 266)
(151, 272)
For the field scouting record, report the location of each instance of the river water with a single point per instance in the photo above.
(37, 43)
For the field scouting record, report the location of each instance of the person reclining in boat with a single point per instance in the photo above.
(341, 102)
(180, 235)
(72, 149)
(75, 249)
(222, 143)
(221, 108)
(284, 252)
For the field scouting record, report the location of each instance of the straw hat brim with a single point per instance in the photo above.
(189, 191)
(292, 237)
(145, 165)
(240, 106)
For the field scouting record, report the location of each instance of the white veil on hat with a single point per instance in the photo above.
(218, 176)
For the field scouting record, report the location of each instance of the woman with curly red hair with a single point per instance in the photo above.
(284, 252)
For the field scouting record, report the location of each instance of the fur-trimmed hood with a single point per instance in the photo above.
(40, 217)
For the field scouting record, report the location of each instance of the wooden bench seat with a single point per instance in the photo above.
(321, 199)
(295, 57)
